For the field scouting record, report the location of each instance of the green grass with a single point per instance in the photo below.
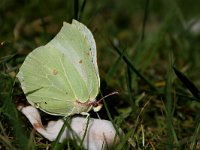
(138, 43)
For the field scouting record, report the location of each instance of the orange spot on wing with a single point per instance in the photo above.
(81, 61)
(55, 72)
(89, 53)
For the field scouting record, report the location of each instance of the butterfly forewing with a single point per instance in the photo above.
(79, 53)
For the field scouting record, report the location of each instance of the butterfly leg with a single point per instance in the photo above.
(87, 116)
(86, 123)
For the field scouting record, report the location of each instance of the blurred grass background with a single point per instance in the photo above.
(138, 42)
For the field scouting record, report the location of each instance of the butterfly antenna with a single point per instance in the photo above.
(113, 93)
(96, 104)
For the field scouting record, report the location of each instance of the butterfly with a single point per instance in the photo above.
(62, 77)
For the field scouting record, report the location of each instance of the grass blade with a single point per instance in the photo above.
(169, 110)
(132, 67)
(82, 9)
(191, 87)
(76, 9)
(144, 19)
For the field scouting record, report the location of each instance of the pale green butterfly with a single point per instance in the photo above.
(62, 77)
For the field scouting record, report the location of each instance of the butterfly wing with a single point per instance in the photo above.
(56, 75)
(90, 39)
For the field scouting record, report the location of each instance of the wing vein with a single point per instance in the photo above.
(67, 77)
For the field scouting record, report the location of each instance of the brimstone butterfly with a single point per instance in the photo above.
(62, 77)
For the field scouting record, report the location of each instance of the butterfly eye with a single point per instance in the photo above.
(97, 108)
